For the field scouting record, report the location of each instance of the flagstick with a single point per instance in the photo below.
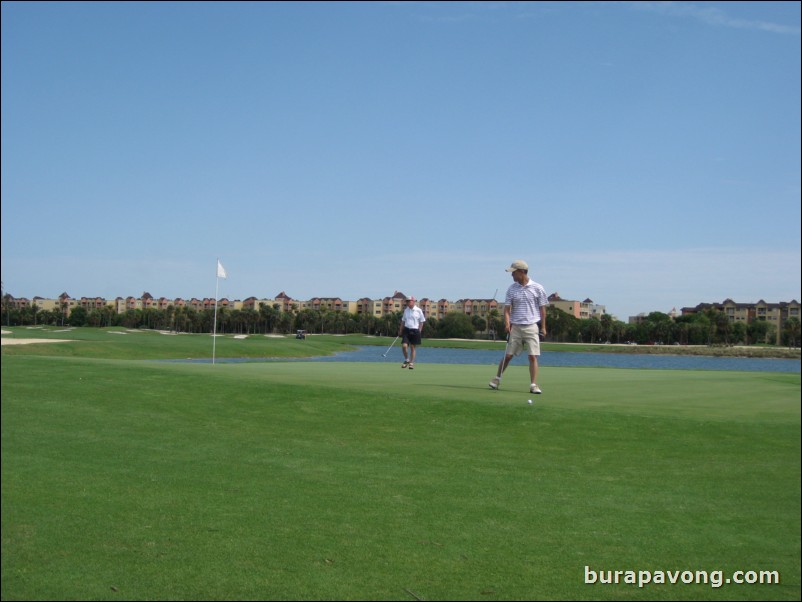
(214, 328)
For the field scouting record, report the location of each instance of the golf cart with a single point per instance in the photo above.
(300, 334)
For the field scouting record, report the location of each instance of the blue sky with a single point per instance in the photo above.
(645, 155)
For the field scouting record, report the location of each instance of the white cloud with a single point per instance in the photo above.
(711, 15)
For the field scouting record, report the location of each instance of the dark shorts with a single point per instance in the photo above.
(411, 336)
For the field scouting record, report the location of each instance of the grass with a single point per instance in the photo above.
(121, 343)
(131, 344)
(130, 479)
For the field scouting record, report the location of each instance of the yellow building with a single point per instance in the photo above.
(579, 309)
(773, 313)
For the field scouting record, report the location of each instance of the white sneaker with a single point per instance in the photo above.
(495, 383)
(535, 389)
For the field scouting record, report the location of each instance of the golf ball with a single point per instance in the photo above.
(530, 401)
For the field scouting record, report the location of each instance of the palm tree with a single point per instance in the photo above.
(607, 327)
(792, 328)
(34, 311)
(494, 322)
(269, 316)
(592, 329)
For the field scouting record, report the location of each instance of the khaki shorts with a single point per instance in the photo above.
(521, 335)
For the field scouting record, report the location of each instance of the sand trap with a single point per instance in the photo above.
(29, 341)
(5, 341)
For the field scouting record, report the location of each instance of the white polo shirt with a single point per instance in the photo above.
(413, 318)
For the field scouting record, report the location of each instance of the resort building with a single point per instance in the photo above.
(773, 313)
(579, 309)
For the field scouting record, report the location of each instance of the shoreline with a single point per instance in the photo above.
(555, 347)
(784, 353)
(699, 350)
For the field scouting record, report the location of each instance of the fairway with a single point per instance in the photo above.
(134, 479)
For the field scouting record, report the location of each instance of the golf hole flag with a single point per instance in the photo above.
(221, 273)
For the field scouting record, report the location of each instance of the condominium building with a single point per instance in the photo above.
(282, 302)
(773, 313)
(579, 309)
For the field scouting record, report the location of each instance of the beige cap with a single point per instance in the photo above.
(518, 264)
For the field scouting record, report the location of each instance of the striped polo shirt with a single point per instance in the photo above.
(526, 302)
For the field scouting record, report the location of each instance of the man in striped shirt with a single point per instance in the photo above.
(524, 310)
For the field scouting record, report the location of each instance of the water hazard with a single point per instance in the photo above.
(436, 355)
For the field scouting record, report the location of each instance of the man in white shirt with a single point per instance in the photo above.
(524, 310)
(411, 327)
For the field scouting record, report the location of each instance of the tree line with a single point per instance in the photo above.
(709, 327)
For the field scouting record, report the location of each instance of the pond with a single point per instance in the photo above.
(436, 355)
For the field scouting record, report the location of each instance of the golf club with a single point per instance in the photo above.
(506, 347)
(390, 347)
(500, 370)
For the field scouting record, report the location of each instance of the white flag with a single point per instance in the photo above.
(221, 271)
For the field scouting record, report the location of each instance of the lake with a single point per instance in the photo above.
(435, 355)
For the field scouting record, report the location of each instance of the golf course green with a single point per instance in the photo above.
(125, 478)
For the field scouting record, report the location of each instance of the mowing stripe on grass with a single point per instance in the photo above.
(141, 480)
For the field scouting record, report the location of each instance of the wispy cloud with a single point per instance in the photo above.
(711, 15)
(632, 282)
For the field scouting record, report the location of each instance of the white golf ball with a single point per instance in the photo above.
(530, 401)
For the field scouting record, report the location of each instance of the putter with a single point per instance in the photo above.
(390, 347)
